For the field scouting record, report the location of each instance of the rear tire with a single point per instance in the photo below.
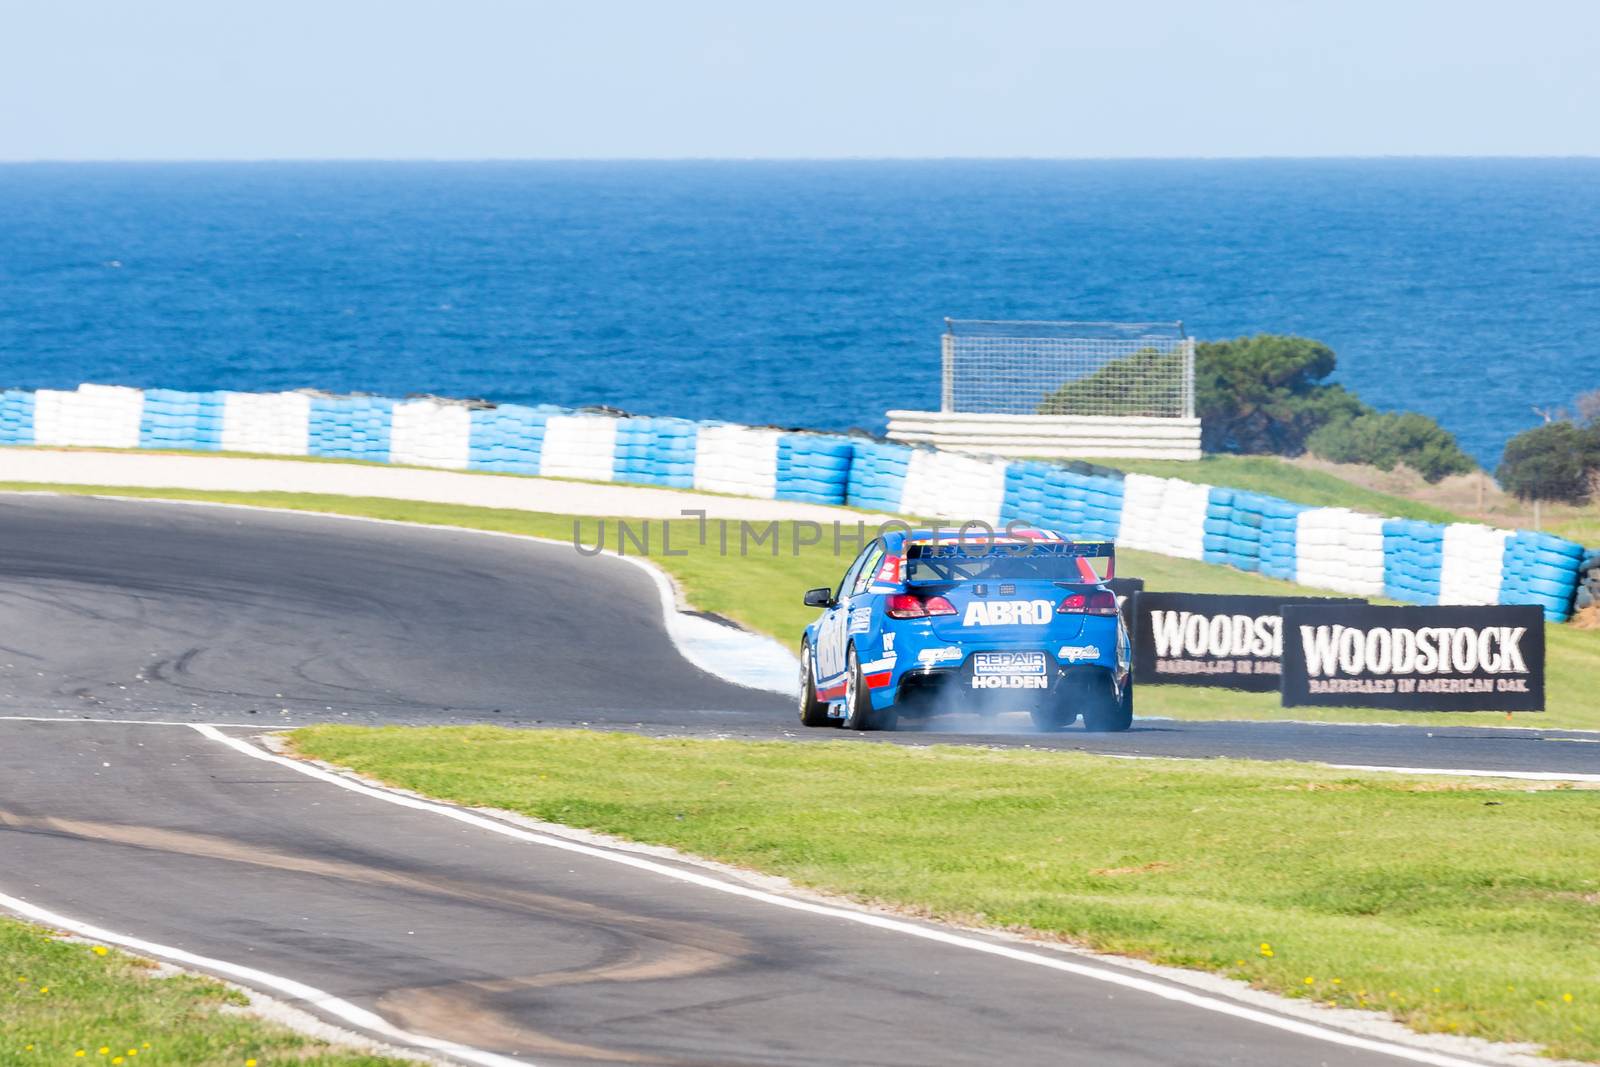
(1104, 713)
(858, 710)
(813, 712)
(1052, 715)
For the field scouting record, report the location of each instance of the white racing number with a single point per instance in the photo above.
(831, 637)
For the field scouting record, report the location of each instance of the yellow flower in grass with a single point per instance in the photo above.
(80, 1054)
(104, 1050)
(100, 950)
(116, 1059)
(1567, 997)
(1310, 980)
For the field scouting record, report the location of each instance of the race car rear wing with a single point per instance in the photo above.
(1018, 560)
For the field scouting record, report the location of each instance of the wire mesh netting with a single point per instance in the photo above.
(1068, 368)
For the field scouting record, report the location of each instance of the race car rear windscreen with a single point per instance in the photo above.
(1055, 562)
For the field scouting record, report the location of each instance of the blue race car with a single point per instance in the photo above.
(926, 622)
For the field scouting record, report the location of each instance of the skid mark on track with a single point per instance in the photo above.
(651, 949)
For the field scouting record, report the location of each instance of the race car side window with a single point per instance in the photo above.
(847, 583)
(869, 567)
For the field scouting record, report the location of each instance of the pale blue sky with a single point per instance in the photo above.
(474, 79)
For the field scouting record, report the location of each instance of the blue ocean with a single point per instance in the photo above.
(791, 293)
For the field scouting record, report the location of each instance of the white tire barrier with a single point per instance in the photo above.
(741, 460)
(949, 485)
(91, 416)
(1340, 550)
(1326, 548)
(278, 424)
(579, 446)
(431, 433)
(1164, 515)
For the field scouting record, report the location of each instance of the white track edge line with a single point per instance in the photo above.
(882, 922)
(1530, 776)
(342, 1009)
(1526, 776)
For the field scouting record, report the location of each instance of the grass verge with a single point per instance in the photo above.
(66, 1002)
(1277, 477)
(1460, 907)
(761, 588)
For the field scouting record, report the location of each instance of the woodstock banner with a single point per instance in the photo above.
(1235, 642)
(1414, 658)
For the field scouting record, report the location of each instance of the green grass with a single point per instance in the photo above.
(762, 590)
(1276, 477)
(1463, 907)
(57, 998)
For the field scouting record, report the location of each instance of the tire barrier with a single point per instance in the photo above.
(1541, 569)
(813, 468)
(742, 460)
(954, 485)
(91, 416)
(350, 427)
(1060, 498)
(16, 417)
(877, 475)
(508, 439)
(1339, 549)
(278, 424)
(1251, 532)
(431, 433)
(1164, 515)
(172, 419)
(1471, 564)
(1327, 548)
(1414, 561)
(655, 451)
(1588, 582)
(579, 446)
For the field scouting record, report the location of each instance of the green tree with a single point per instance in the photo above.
(1266, 394)
(1555, 461)
(1146, 382)
(1383, 439)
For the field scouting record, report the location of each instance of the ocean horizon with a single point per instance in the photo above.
(792, 292)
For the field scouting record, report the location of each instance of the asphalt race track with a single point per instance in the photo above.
(156, 613)
(126, 610)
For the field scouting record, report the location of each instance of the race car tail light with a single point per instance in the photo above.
(1101, 602)
(911, 606)
(889, 571)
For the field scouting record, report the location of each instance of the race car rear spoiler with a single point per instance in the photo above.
(954, 561)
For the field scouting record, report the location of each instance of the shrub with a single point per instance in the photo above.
(1266, 393)
(1555, 461)
(1383, 439)
(1105, 392)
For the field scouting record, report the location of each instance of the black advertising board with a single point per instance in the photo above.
(1414, 658)
(1234, 642)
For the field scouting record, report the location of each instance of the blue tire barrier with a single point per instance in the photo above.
(1239, 529)
(814, 468)
(179, 420)
(16, 417)
(351, 427)
(877, 477)
(655, 451)
(508, 438)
